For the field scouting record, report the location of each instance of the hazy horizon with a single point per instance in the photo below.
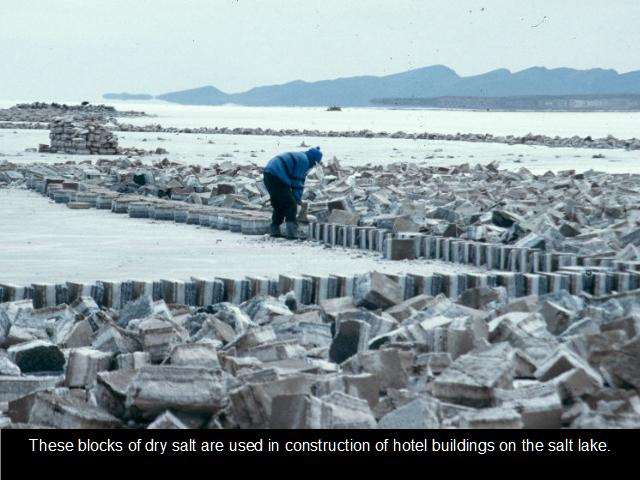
(56, 50)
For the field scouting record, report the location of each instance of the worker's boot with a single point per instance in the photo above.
(291, 230)
(275, 231)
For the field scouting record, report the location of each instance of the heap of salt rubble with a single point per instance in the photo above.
(367, 360)
(40, 112)
(608, 142)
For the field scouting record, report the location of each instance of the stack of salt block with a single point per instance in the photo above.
(81, 137)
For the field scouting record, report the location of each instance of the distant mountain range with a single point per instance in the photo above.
(428, 82)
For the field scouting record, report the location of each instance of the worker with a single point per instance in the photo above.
(284, 178)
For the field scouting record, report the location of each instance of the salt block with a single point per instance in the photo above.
(78, 205)
(401, 249)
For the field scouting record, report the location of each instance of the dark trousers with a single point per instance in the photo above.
(282, 200)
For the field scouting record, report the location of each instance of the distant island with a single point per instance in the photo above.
(436, 87)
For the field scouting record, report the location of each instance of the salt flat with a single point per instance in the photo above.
(41, 241)
(207, 149)
(564, 124)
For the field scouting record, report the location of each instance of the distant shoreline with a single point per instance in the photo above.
(534, 103)
(388, 107)
(523, 103)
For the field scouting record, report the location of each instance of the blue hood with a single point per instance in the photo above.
(314, 155)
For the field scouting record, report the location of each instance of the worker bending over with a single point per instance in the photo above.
(284, 178)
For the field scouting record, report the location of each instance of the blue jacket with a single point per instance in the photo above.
(292, 169)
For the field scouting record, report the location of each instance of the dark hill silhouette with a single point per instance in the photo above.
(426, 82)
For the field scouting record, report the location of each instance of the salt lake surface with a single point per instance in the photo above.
(564, 124)
(41, 241)
(207, 149)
